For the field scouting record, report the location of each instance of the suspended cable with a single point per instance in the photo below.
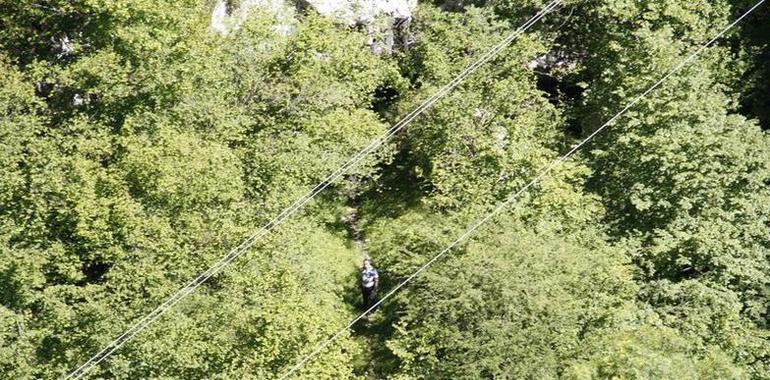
(544, 172)
(236, 252)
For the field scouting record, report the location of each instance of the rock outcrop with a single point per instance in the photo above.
(386, 22)
(226, 16)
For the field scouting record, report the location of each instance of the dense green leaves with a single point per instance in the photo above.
(138, 147)
(517, 305)
(651, 353)
(145, 159)
(684, 181)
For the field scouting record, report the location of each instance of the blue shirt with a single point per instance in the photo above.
(368, 277)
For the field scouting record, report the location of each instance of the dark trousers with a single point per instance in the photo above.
(370, 296)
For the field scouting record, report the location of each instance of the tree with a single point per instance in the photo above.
(512, 304)
(145, 160)
(651, 352)
(682, 179)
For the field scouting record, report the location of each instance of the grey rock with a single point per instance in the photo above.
(386, 22)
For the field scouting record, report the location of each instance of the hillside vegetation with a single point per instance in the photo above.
(138, 147)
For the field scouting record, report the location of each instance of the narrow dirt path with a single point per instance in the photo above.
(372, 331)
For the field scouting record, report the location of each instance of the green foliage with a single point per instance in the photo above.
(513, 304)
(651, 353)
(254, 322)
(179, 171)
(306, 93)
(684, 181)
(485, 138)
(754, 40)
(145, 159)
(138, 147)
(688, 178)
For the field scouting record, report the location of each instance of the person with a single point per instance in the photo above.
(370, 279)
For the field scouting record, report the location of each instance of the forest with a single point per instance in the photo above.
(143, 140)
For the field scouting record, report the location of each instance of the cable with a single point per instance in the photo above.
(515, 195)
(299, 203)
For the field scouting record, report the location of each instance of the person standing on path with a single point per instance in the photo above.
(370, 279)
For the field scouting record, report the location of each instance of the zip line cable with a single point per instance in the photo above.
(544, 172)
(299, 203)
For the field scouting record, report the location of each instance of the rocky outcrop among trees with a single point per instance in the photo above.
(141, 140)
